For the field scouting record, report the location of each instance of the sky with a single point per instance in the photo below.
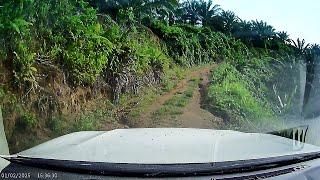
(299, 18)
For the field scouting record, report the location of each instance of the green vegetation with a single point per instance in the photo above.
(92, 120)
(172, 77)
(233, 96)
(60, 59)
(28, 120)
(174, 106)
(181, 99)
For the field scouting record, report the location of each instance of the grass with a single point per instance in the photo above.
(174, 106)
(168, 112)
(56, 124)
(232, 96)
(142, 100)
(28, 120)
(172, 77)
(94, 120)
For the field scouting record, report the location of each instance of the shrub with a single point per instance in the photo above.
(225, 73)
(67, 32)
(86, 49)
(56, 124)
(28, 120)
(133, 51)
(16, 40)
(87, 56)
(184, 47)
(92, 120)
(235, 100)
(231, 96)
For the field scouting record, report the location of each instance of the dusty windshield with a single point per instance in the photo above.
(98, 65)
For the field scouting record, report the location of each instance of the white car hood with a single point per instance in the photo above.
(166, 146)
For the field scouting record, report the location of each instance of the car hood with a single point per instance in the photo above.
(166, 146)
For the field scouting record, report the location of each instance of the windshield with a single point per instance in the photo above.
(247, 71)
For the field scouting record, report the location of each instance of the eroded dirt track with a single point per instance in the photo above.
(190, 116)
(194, 116)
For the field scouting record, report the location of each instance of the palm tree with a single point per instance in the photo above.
(300, 45)
(207, 10)
(262, 33)
(189, 12)
(139, 7)
(166, 7)
(283, 37)
(225, 21)
(163, 10)
(263, 30)
(243, 31)
(245, 26)
(198, 11)
(315, 48)
(229, 20)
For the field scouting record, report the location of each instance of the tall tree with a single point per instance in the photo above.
(198, 11)
(262, 33)
(283, 37)
(139, 7)
(244, 31)
(207, 10)
(225, 21)
(300, 45)
(189, 12)
(229, 20)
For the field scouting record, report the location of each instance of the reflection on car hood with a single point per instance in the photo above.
(166, 146)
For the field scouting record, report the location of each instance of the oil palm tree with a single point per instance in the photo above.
(163, 10)
(263, 30)
(243, 31)
(315, 48)
(207, 10)
(225, 22)
(198, 11)
(300, 45)
(229, 20)
(189, 12)
(262, 33)
(283, 37)
(139, 7)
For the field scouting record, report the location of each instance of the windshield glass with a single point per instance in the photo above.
(247, 71)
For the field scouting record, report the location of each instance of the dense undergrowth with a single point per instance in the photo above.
(67, 65)
(240, 99)
(258, 95)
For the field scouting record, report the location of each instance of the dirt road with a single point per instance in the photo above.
(189, 115)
